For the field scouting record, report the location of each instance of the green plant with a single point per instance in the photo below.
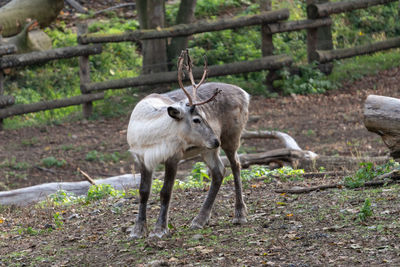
(367, 172)
(52, 161)
(101, 191)
(365, 211)
(58, 219)
(93, 155)
(30, 142)
(13, 164)
(311, 80)
(63, 197)
(199, 173)
(29, 230)
(288, 173)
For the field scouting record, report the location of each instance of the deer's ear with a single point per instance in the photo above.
(175, 113)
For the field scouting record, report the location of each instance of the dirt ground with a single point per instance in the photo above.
(328, 124)
(319, 228)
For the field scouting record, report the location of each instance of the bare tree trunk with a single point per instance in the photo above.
(151, 16)
(185, 16)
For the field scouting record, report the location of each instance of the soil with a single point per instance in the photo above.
(319, 228)
(327, 124)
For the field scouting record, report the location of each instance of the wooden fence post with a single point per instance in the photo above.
(1, 92)
(319, 39)
(1, 81)
(267, 45)
(84, 73)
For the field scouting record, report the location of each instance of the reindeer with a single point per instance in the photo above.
(165, 128)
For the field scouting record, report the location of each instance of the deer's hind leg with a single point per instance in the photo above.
(217, 168)
(240, 206)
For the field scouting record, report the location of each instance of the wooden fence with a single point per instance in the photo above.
(319, 48)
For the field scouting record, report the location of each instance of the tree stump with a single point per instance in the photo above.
(382, 116)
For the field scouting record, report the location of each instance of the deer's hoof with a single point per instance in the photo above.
(198, 222)
(138, 231)
(159, 233)
(239, 220)
(196, 225)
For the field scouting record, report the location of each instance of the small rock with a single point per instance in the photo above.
(94, 212)
(198, 237)
(74, 216)
(157, 263)
(49, 226)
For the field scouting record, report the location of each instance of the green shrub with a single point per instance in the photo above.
(101, 191)
(53, 162)
(310, 81)
(367, 172)
(365, 211)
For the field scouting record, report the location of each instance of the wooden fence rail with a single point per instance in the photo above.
(187, 29)
(271, 62)
(319, 48)
(45, 105)
(21, 60)
(325, 9)
(330, 55)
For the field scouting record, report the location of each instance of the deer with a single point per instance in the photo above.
(200, 120)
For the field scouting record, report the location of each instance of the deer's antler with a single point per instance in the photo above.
(189, 68)
(180, 74)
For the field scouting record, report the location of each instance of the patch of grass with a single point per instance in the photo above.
(53, 162)
(30, 142)
(355, 68)
(114, 157)
(13, 164)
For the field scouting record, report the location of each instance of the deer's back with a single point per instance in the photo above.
(227, 114)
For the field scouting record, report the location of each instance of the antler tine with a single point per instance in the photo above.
(180, 74)
(203, 78)
(217, 91)
(189, 68)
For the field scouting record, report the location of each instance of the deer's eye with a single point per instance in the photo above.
(196, 120)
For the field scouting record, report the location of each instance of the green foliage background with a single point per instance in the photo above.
(60, 79)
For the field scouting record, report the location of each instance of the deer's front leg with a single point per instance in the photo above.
(214, 162)
(140, 227)
(161, 227)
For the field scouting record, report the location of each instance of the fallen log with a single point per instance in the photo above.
(27, 195)
(14, 15)
(24, 196)
(77, 6)
(384, 179)
(281, 156)
(382, 116)
(28, 40)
